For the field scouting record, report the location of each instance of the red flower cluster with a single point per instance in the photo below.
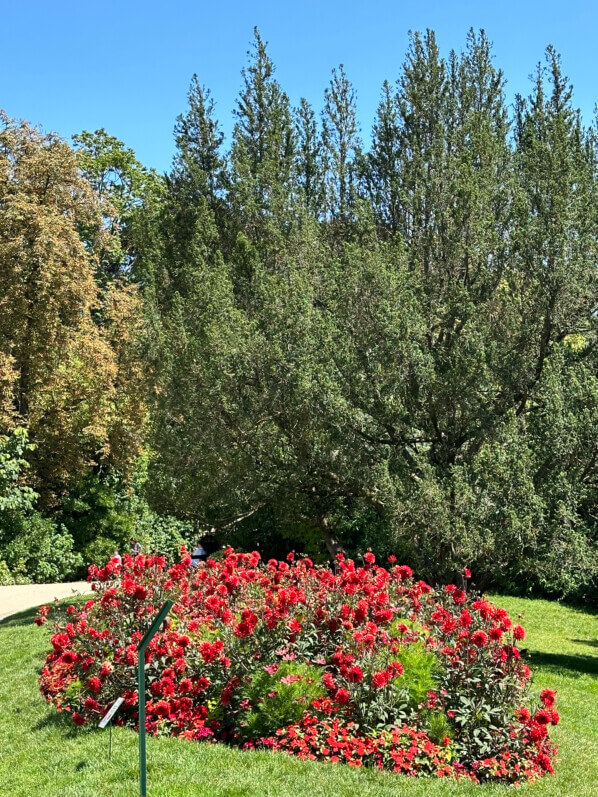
(404, 750)
(301, 658)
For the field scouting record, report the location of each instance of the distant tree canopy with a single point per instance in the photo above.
(341, 346)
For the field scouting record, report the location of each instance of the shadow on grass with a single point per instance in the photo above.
(57, 612)
(572, 665)
(58, 721)
(593, 643)
(21, 618)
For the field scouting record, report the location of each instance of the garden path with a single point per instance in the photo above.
(19, 597)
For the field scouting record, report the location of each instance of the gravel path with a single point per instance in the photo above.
(25, 596)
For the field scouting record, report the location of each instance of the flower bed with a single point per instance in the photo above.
(363, 665)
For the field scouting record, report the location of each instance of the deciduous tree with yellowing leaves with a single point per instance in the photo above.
(69, 370)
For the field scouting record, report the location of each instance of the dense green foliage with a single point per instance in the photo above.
(345, 345)
(393, 348)
(31, 545)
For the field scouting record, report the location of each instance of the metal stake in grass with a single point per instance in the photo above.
(149, 634)
(107, 720)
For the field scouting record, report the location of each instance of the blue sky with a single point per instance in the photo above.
(126, 66)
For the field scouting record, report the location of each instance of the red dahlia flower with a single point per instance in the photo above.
(523, 714)
(543, 716)
(341, 696)
(538, 731)
(518, 632)
(328, 681)
(396, 668)
(380, 679)
(459, 596)
(161, 708)
(354, 675)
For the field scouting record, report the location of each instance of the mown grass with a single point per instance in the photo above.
(42, 753)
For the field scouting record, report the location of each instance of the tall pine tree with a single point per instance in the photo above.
(309, 158)
(341, 145)
(262, 156)
(381, 169)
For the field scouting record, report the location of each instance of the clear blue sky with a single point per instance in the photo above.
(126, 66)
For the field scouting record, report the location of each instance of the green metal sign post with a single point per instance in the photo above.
(149, 634)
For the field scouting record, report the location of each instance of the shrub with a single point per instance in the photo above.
(102, 514)
(363, 665)
(37, 549)
(6, 578)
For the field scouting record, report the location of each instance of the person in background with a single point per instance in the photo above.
(135, 547)
(116, 559)
(199, 554)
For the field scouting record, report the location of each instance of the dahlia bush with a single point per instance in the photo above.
(361, 665)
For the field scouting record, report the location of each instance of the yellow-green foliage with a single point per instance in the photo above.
(275, 704)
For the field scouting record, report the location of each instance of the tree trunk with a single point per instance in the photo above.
(332, 544)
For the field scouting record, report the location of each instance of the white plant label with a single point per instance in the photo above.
(111, 712)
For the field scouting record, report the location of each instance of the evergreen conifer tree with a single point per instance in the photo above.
(341, 146)
(263, 153)
(309, 158)
(382, 165)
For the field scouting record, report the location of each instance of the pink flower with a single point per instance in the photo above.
(106, 668)
(290, 679)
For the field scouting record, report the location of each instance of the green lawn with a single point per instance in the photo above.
(42, 753)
